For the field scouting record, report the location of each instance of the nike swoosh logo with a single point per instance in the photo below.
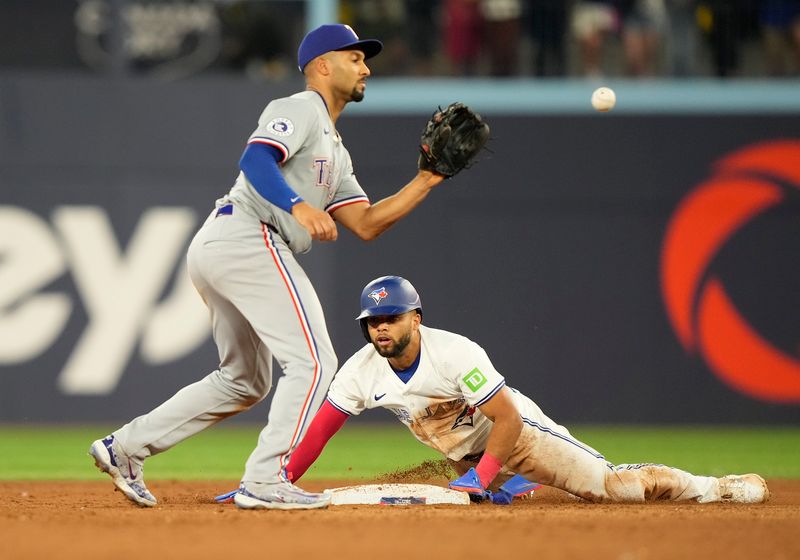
(295, 199)
(131, 474)
(379, 397)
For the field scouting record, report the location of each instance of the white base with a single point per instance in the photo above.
(397, 494)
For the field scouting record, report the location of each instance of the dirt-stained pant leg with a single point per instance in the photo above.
(547, 453)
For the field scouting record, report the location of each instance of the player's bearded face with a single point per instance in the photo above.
(391, 334)
(352, 75)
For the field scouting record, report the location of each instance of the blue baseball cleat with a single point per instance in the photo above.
(470, 483)
(227, 497)
(515, 486)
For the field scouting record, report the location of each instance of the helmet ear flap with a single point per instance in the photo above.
(364, 331)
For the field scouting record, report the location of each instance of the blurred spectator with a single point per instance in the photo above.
(592, 22)
(548, 27)
(780, 28)
(423, 34)
(257, 37)
(721, 20)
(682, 38)
(643, 24)
(502, 21)
(385, 19)
(462, 35)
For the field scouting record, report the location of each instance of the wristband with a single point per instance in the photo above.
(487, 469)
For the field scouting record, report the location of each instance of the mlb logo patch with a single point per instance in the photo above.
(378, 295)
(280, 126)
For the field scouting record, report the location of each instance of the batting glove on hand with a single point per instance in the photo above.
(471, 484)
(515, 486)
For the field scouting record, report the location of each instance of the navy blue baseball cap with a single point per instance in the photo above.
(334, 37)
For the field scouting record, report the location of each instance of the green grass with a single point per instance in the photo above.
(52, 452)
(359, 451)
(770, 451)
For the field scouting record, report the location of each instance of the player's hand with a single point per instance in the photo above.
(318, 223)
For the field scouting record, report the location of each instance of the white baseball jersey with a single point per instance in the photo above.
(315, 164)
(439, 403)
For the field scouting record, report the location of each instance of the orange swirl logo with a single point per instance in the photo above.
(746, 184)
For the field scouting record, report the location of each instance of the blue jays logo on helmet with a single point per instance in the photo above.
(388, 295)
(378, 295)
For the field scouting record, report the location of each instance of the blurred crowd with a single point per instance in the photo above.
(564, 38)
(582, 37)
(559, 38)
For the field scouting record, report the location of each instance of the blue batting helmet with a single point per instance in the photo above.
(388, 295)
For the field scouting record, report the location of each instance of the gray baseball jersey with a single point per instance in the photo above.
(439, 404)
(315, 164)
(261, 302)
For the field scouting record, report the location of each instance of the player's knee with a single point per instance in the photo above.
(624, 484)
(610, 484)
(246, 392)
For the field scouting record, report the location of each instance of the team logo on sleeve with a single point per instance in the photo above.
(475, 380)
(280, 126)
(378, 295)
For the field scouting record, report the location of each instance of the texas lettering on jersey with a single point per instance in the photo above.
(324, 169)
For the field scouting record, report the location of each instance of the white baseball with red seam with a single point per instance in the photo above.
(604, 99)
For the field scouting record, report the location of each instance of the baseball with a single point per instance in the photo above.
(604, 99)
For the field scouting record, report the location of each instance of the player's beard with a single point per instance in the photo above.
(356, 95)
(396, 349)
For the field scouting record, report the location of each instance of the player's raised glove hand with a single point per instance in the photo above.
(470, 483)
(452, 139)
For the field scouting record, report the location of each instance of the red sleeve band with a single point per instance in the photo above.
(325, 424)
(487, 469)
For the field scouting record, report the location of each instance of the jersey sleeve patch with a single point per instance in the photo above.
(281, 126)
(475, 380)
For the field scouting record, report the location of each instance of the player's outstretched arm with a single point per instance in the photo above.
(369, 221)
(325, 424)
(501, 410)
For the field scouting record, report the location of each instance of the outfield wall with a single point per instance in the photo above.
(617, 268)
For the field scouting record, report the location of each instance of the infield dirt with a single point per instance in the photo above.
(65, 520)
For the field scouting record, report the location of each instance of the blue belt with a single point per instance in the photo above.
(227, 210)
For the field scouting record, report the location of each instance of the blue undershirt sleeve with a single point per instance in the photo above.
(260, 165)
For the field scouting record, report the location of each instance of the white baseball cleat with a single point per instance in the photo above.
(127, 474)
(743, 489)
(278, 495)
